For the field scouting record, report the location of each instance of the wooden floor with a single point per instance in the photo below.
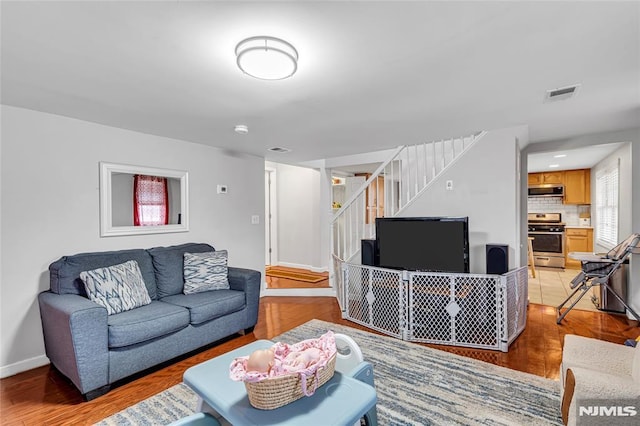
(43, 397)
(275, 282)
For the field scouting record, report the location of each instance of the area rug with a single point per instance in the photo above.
(415, 386)
(308, 277)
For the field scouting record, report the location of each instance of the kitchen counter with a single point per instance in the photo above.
(578, 227)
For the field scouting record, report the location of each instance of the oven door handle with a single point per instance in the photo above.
(546, 233)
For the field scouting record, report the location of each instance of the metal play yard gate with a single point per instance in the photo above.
(470, 310)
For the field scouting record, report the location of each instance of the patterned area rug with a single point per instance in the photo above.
(415, 386)
(308, 277)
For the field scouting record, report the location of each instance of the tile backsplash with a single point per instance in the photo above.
(569, 212)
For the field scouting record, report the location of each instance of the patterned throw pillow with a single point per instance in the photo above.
(205, 271)
(118, 288)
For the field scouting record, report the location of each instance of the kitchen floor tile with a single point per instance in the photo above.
(552, 286)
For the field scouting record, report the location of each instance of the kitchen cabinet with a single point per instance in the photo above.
(577, 186)
(546, 177)
(577, 239)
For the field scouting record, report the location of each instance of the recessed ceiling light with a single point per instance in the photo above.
(553, 166)
(241, 129)
(560, 156)
(267, 58)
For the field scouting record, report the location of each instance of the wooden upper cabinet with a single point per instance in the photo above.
(546, 177)
(577, 186)
(535, 178)
(552, 177)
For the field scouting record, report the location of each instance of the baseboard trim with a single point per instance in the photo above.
(293, 292)
(301, 266)
(22, 366)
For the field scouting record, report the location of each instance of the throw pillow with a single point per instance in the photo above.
(118, 288)
(205, 271)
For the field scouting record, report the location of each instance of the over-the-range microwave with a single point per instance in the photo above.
(546, 190)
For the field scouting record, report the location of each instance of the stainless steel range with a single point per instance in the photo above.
(548, 242)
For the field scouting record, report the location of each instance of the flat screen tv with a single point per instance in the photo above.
(435, 244)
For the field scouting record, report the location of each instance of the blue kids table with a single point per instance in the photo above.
(341, 401)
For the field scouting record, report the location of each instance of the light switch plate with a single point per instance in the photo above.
(255, 219)
(222, 189)
(449, 185)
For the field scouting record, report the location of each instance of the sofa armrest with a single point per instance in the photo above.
(594, 354)
(583, 384)
(76, 338)
(248, 281)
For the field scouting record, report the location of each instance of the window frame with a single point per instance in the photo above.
(607, 204)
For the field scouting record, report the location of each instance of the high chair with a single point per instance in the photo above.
(597, 270)
(350, 362)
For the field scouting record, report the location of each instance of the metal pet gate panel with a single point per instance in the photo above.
(375, 298)
(455, 309)
(470, 310)
(516, 297)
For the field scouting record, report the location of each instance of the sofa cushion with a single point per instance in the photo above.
(145, 323)
(205, 271)
(209, 304)
(168, 263)
(65, 272)
(118, 288)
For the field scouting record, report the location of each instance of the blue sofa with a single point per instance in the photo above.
(94, 349)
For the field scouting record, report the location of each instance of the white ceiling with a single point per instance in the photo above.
(372, 75)
(580, 158)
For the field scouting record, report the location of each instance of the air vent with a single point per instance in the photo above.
(561, 93)
(279, 150)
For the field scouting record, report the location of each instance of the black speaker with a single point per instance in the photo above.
(369, 252)
(497, 258)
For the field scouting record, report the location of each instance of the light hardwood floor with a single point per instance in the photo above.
(274, 282)
(43, 397)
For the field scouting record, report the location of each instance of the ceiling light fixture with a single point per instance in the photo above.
(560, 156)
(554, 166)
(267, 58)
(241, 129)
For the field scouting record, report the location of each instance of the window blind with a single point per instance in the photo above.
(607, 205)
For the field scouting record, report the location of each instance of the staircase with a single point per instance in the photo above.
(394, 186)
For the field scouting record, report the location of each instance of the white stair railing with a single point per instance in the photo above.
(409, 171)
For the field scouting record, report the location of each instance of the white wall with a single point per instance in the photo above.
(298, 215)
(486, 186)
(50, 208)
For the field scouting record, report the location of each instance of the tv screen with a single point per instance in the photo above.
(438, 244)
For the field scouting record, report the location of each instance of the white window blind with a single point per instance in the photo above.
(607, 205)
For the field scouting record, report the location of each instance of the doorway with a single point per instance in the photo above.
(281, 225)
(552, 285)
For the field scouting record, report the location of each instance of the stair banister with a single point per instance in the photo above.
(364, 186)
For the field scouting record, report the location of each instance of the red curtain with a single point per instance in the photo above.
(150, 201)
